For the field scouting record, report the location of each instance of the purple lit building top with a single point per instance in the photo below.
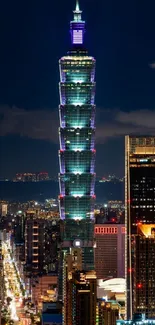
(77, 27)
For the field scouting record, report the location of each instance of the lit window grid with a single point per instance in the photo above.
(77, 208)
(76, 156)
(75, 185)
(77, 139)
(85, 229)
(74, 72)
(77, 116)
(74, 94)
(77, 36)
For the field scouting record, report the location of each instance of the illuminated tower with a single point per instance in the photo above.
(140, 224)
(77, 153)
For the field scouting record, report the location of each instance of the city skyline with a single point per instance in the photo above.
(83, 257)
(125, 52)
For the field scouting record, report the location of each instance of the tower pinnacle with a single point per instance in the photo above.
(77, 6)
(77, 26)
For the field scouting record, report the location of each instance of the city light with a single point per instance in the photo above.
(12, 284)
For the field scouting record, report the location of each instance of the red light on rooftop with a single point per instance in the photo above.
(139, 285)
(129, 270)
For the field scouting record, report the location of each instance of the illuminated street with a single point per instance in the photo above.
(14, 294)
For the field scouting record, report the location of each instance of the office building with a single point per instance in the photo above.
(107, 312)
(1, 274)
(79, 294)
(3, 209)
(18, 228)
(109, 250)
(34, 243)
(51, 314)
(113, 290)
(77, 152)
(82, 298)
(42, 237)
(42, 288)
(144, 270)
(140, 210)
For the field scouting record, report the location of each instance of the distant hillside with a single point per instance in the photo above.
(50, 189)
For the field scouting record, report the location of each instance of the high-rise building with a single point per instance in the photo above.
(34, 243)
(144, 271)
(140, 210)
(18, 228)
(80, 288)
(42, 236)
(110, 250)
(77, 152)
(1, 274)
(107, 312)
(82, 298)
(4, 209)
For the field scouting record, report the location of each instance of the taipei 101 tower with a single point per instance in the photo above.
(77, 152)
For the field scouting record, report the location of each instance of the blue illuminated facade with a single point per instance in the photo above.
(77, 147)
(138, 319)
(136, 322)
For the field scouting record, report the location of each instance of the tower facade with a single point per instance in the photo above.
(140, 221)
(77, 152)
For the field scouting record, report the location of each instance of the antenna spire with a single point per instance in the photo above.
(77, 6)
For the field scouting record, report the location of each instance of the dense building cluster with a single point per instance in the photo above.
(31, 177)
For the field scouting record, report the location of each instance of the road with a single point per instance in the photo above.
(13, 288)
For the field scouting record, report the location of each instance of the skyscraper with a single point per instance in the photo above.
(79, 305)
(77, 152)
(144, 271)
(107, 312)
(109, 250)
(140, 211)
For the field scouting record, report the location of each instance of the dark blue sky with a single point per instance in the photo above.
(33, 36)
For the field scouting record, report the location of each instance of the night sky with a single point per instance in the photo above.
(33, 36)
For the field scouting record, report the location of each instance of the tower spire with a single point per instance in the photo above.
(77, 6)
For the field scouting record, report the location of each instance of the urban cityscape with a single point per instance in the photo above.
(78, 248)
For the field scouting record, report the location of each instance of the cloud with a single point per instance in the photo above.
(35, 124)
(152, 65)
(142, 118)
(43, 124)
(122, 123)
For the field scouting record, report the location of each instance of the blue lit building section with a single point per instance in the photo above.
(138, 319)
(77, 141)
